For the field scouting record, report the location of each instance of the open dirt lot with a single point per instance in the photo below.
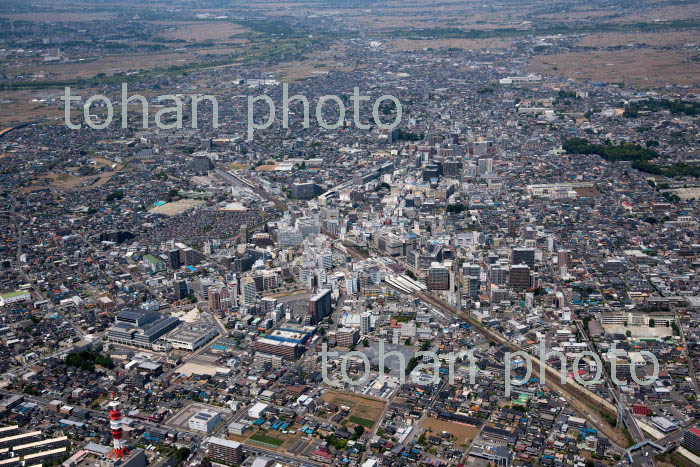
(111, 65)
(56, 16)
(273, 440)
(613, 39)
(176, 207)
(466, 44)
(464, 433)
(363, 407)
(203, 31)
(643, 68)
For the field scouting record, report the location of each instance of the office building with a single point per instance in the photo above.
(140, 328)
(524, 256)
(519, 278)
(691, 439)
(320, 305)
(268, 304)
(225, 451)
(346, 337)
(438, 277)
(205, 421)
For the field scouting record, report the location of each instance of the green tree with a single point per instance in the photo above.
(359, 431)
(182, 454)
(117, 194)
(456, 208)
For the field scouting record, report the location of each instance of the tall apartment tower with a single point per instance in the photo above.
(519, 278)
(524, 256)
(563, 258)
(365, 324)
(249, 291)
(485, 166)
(512, 227)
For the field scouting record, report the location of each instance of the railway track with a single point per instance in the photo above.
(582, 399)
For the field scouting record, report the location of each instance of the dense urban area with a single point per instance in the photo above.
(508, 277)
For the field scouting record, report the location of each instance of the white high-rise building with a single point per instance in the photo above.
(351, 286)
(249, 292)
(325, 260)
(289, 238)
(365, 323)
(308, 226)
(278, 314)
(485, 166)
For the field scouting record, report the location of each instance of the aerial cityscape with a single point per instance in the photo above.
(352, 233)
